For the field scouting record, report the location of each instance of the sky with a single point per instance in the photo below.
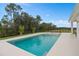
(56, 13)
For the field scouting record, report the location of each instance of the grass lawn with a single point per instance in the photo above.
(56, 30)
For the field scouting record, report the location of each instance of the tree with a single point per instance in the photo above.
(36, 23)
(19, 22)
(38, 19)
(25, 18)
(0, 23)
(14, 11)
(46, 26)
(0, 27)
(28, 22)
(4, 21)
(12, 8)
(32, 24)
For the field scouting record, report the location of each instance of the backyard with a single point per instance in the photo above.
(29, 31)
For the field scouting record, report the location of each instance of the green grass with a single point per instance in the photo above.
(58, 30)
(3, 38)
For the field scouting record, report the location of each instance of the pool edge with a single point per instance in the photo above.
(27, 35)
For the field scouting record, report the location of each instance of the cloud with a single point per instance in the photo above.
(60, 23)
(47, 15)
(63, 23)
(24, 4)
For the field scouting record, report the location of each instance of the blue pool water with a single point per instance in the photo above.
(38, 45)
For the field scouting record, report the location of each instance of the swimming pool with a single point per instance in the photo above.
(38, 45)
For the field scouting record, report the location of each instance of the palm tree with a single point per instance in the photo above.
(21, 29)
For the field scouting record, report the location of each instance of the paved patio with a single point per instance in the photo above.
(67, 45)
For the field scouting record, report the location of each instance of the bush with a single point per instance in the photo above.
(33, 29)
(21, 29)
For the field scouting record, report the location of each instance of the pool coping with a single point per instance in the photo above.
(26, 52)
(29, 35)
(48, 54)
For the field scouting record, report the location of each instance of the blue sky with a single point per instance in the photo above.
(57, 13)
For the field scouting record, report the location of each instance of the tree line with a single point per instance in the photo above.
(16, 21)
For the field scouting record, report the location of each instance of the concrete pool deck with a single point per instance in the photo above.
(66, 45)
